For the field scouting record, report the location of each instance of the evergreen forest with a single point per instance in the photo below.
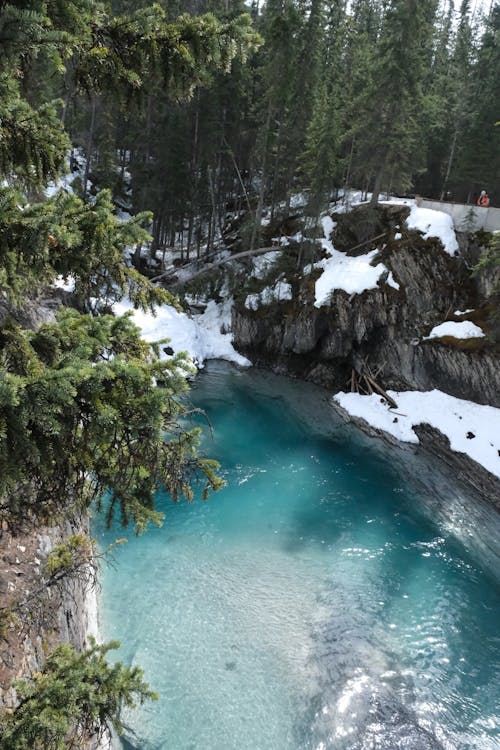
(398, 97)
(164, 118)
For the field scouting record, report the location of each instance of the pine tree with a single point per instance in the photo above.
(86, 406)
(71, 700)
(478, 160)
(391, 110)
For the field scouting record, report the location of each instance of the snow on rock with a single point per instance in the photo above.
(434, 224)
(391, 281)
(463, 312)
(277, 293)
(202, 336)
(471, 428)
(298, 200)
(353, 275)
(464, 330)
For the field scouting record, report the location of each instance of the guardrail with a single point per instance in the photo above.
(466, 218)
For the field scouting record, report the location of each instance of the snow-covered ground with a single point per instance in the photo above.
(428, 221)
(202, 336)
(356, 274)
(341, 271)
(471, 428)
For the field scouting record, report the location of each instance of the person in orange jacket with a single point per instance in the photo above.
(483, 199)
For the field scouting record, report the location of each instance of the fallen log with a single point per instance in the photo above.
(376, 387)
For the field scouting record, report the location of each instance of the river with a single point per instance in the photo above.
(313, 604)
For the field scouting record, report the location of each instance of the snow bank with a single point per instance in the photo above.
(202, 337)
(471, 428)
(434, 224)
(280, 291)
(464, 330)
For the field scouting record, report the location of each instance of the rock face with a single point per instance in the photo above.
(46, 616)
(34, 619)
(383, 327)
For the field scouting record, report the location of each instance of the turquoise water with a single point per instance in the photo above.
(310, 604)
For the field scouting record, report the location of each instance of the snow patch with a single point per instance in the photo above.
(352, 275)
(298, 200)
(473, 429)
(434, 224)
(464, 330)
(391, 281)
(203, 336)
(277, 293)
(68, 284)
(328, 226)
(463, 312)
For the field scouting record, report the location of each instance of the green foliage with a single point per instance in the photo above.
(490, 260)
(32, 143)
(66, 236)
(68, 556)
(391, 107)
(101, 53)
(74, 697)
(88, 410)
(87, 407)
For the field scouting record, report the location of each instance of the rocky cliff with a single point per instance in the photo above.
(36, 617)
(385, 328)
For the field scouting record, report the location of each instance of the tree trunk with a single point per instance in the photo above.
(378, 183)
(449, 165)
(90, 142)
(260, 203)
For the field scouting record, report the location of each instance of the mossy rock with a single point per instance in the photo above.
(364, 223)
